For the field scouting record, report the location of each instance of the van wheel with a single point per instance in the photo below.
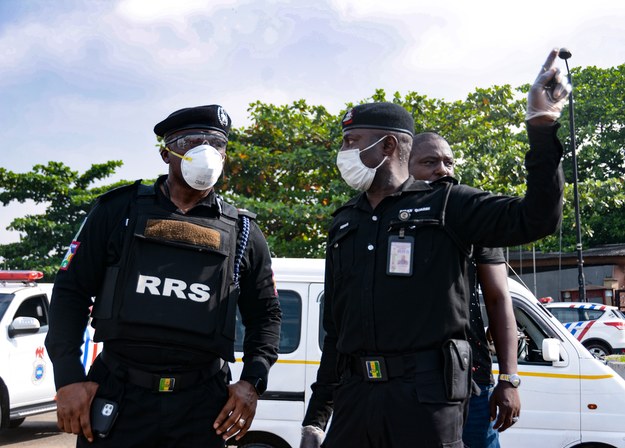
(597, 349)
(594, 445)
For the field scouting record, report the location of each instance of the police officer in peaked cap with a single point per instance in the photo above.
(166, 265)
(396, 365)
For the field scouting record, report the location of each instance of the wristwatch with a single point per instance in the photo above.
(511, 378)
(258, 384)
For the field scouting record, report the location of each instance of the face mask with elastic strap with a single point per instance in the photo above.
(355, 173)
(201, 166)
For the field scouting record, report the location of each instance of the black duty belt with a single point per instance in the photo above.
(382, 368)
(161, 381)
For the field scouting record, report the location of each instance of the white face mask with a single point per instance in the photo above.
(355, 173)
(201, 167)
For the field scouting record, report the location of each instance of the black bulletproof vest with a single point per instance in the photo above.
(173, 284)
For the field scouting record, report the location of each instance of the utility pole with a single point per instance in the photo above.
(566, 54)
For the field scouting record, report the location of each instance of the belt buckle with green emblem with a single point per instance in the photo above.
(166, 384)
(374, 368)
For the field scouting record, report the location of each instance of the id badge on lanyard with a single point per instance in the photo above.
(400, 250)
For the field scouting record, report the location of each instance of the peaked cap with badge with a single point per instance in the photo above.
(388, 116)
(212, 117)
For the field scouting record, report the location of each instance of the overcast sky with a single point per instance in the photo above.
(84, 82)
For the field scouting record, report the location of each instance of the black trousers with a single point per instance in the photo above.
(399, 413)
(160, 420)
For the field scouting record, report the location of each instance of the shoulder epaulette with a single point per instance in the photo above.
(227, 209)
(348, 204)
(146, 190)
(244, 212)
(119, 190)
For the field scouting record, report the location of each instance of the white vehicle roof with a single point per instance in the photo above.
(580, 305)
(298, 269)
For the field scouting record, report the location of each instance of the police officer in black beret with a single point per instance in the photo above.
(167, 265)
(396, 366)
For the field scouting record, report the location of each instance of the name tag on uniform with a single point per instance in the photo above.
(400, 251)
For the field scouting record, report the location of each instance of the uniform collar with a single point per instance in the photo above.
(211, 201)
(411, 185)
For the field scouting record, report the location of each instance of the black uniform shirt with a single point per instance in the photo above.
(100, 245)
(367, 311)
(482, 362)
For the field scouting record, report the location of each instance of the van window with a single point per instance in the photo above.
(291, 304)
(5, 301)
(594, 314)
(34, 307)
(530, 334)
(322, 331)
(565, 314)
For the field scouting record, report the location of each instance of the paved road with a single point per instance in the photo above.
(39, 431)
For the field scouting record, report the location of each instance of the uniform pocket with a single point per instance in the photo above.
(342, 249)
(430, 387)
(457, 368)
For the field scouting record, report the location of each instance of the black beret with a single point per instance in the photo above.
(201, 117)
(388, 116)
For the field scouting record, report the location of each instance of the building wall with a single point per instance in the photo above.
(619, 275)
(551, 283)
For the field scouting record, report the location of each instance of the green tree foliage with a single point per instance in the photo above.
(67, 195)
(599, 95)
(282, 167)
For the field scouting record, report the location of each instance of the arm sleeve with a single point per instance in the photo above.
(76, 282)
(321, 402)
(320, 406)
(490, 220)
(488, 255)
(260, 309)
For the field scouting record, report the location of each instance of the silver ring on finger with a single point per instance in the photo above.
(241, 422)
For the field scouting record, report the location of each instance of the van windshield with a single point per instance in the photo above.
(5, 301)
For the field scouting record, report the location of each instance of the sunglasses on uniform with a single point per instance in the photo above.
(187, 141)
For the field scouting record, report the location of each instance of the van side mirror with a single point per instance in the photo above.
(551, 350)
(23, 325)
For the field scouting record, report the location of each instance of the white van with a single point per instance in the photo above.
(26, 376)
(568, 397)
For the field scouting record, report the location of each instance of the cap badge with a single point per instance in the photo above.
(349, 115)
(223, 116)
(404, 215)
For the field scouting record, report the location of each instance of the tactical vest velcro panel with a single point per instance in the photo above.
(173, 281)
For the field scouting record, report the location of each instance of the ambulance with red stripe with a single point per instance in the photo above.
(570, 399)
(600, 328)
(26, 376)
